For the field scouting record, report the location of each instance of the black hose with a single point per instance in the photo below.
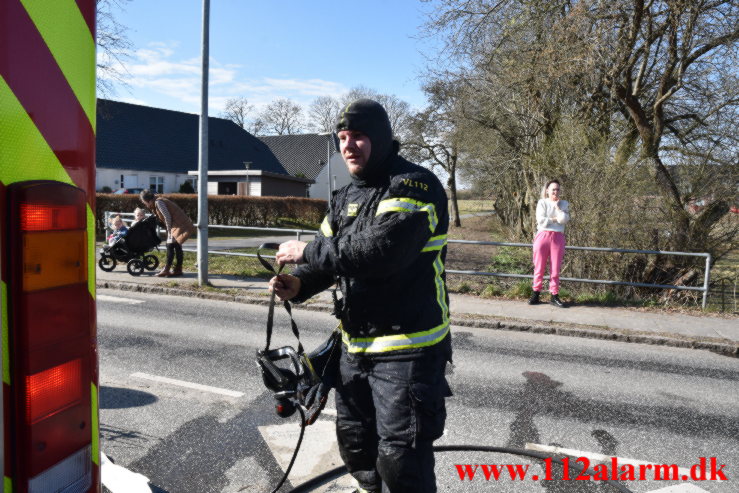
(295, 454)
(337, 472)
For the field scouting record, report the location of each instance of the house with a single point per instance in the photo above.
(306, 155)
(145, 147)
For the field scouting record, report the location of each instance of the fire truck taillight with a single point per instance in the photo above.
(53, 390)
(46, 217)
(51, 320)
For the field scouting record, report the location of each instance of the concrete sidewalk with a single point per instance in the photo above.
(710, 332)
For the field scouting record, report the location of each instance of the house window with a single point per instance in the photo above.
(156, 184)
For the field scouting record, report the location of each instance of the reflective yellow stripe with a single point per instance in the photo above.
(385, 344)
(440, 288)
(7, 485)
(326, 228)
(435, 243)
(343, 113)
(65, 32)
(94, 421)
(24, 153)
(90, 251)
(403, 204)
(5, 340)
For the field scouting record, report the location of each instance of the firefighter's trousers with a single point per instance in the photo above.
(388, 415)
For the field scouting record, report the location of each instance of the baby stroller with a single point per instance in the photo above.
(141, 238)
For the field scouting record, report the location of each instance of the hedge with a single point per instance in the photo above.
(228, 210)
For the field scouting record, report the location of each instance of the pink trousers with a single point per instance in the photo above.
(548, 246)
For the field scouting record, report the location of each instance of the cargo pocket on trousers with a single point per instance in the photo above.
(429, 409)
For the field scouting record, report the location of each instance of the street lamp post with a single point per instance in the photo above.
(203, 157)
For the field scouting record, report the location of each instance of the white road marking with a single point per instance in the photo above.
(595, 456)
(118, 479)
(189, 385)
(319, 451)
(328, 411)
(118, 299)
(680, 488)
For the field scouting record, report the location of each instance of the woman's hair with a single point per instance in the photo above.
(147, 196)
(544, 189)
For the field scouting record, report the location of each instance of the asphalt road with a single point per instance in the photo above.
(182, 403)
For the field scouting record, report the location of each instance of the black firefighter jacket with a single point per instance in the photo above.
(385, 244)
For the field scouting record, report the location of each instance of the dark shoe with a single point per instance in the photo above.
(163, 273)
(557, 302)
(177, 272)
(534, 300)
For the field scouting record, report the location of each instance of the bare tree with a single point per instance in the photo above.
(567, 88)
(665, 59)
(113, 46)
(434, 136)
(283, 117)
(237, 110)
(256, 126)
(398, 111)
(323, 114)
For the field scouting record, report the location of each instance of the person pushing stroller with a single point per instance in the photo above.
(179, 228)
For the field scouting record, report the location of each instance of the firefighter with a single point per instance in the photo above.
(384, 243)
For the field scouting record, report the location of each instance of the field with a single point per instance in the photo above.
(471, 206)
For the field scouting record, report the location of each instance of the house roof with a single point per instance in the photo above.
(131, 136)
(302, 154)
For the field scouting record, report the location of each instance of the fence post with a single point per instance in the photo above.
(298, 234)
(706, 280)
(107, 225)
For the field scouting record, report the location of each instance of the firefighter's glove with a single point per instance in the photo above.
(314, 401)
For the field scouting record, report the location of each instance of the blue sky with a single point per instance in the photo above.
(263, 50)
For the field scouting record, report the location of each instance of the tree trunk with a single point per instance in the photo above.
(671, 195)
(452, 184)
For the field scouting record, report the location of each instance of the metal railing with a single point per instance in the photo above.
(298, 232)
(704, 289)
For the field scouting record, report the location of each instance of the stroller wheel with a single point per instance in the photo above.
(107, 263)
(135, 267)
(151, 262)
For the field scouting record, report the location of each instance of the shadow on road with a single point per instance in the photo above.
(119, 398)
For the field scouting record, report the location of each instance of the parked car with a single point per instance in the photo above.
(128, 190)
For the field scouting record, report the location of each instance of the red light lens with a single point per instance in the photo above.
(53, 390)
(45, 217)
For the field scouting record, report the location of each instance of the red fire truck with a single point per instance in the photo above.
(48, 353)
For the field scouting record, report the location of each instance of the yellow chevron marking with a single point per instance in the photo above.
(65, 32)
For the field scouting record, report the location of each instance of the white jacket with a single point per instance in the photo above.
(551, 216)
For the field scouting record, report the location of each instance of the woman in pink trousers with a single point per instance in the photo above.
(549, 243)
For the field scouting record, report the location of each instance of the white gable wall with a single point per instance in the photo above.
(111, 177)
(319, 190)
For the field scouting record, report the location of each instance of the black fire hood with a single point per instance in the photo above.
(370, 118)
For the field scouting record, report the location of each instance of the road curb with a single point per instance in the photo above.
(608, 334)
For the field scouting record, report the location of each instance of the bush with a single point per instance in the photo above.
(464, 288)
(226, 210)
(521, 289)
(491, 291)
(187, 188)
